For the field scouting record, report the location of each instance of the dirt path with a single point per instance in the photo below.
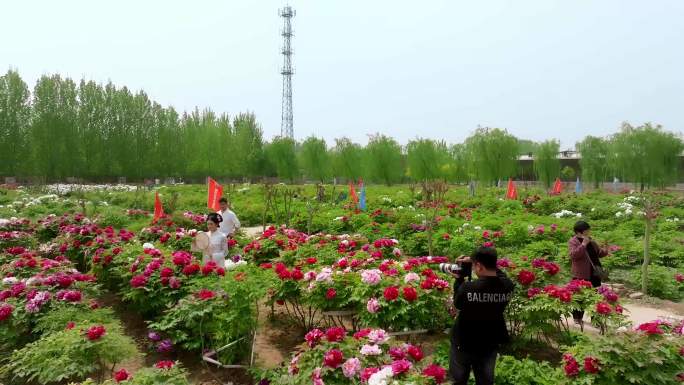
(639, 313)
(252, 231)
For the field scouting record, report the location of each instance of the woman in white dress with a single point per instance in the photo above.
(217, 246)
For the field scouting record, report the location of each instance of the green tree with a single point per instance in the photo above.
(248, 149)
(383, 159)
(314, 159)
(281, 153)
(347, 159)
(458, 170)
(646, 155)
(493, 154)
(427, 160)
(15, 112)
(593, 159)
(546, 163)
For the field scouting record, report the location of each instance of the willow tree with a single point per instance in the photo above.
(314, 159)
(248, 149)
(493, 154)
(457, 164)
(347, 159)
(383, 159)
(14, 118)
(546, 162)
(646, 155)
(593, 159)
(426, 159)
(281, 154)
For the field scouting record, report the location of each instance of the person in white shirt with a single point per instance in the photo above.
(230, 223)
(217, 248)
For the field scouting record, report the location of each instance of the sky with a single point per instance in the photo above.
(542, 69)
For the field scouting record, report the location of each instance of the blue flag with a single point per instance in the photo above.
(578, 186)
(362, 197)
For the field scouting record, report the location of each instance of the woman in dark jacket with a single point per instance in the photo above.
(585, 253)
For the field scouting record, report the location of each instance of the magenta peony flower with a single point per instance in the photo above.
(5, 311)
(333, 358)
(603, 308)
(401, 366)
(335, 334)
(435, 371)
(94, 333)
(313, 337)
(138, 281)
(591, 365)
(525, 277)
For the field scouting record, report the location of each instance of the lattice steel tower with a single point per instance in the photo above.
(287, 71)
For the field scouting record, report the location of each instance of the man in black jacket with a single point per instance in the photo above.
(480, 327)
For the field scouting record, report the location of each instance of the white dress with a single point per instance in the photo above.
(218, 247)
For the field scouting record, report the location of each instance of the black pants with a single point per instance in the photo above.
(579, 314)
(461, 363)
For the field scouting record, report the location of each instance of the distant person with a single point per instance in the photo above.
(585, 256)
(212, 244)
(230, 223)
(480, 328)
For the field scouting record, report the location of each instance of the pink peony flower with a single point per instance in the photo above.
(351, 367)
(401, 366)
(313, 337)
(371, 350)
(373, 306)
(378, 336)
(371, 277)
(138, 281)
(367, 373)
(411, 277)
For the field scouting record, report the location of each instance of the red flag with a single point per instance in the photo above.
(511, 193)
(214, 194)
(158, 209)
(352, 193)
(557, 187)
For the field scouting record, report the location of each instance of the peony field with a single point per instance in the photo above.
(318, 290)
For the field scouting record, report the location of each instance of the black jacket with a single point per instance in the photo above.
(480, 326)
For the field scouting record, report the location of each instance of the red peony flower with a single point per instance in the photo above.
(205, 294)
(297, 275)
(603, 308)
(571, 366)
(401, 366)
(138, 281)
(331, 293)
(164, 364)
(415, 352)
(551, 268)
(70, 325)
(591, 365)
(391, 293)
(311, 260)
(191, 269)
(650, 328)
(121, 375)
(435, 371)
(5, 311)
(94, 333)
(533, 291)
(618, 309)
(397, 353)
(363, 333)
(335, 334)
(367, 373)
(679, 277)
(313, 337)
(410, 293)
(333, 358)
(525, 277)
(166, 272)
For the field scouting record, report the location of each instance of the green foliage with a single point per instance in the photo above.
(69, 355)
(314, 159)
(511, 371)
(546, 163)
(384, 159)
(347, 159)
(14, 118)
(493, 154)
(594, 159)
(661, 282)
(280, 153)
(427, 159)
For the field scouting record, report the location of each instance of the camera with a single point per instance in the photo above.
(462, 268)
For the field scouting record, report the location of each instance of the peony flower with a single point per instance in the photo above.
(367, 373)
(591, 365)
(351, 367)
(165, 346)
(533, 291)
(373, 306)
(401, 366)
(94, 333)
(397, 353)
(371, 277)
(411, 277)
(679, 277)
(138, 281)
(313, 337)
(651, 328)
(525, 277)
(153, 336)
(603, 308)
(391, 293)
(330, 294)
(410, 294)
(382, 377)
(414, 352)
(371, 350)
(335, 334)
(5, 311)
(571, 367)
(70, 325)
(166, 365)
(121, 375)
(205, 294)
(435, 371)
(333, 358)
(378, 336)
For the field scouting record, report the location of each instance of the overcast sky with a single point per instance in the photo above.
(542, 69)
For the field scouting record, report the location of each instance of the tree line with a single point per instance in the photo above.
(99, 132)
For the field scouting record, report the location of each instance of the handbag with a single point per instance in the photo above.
(597, 271)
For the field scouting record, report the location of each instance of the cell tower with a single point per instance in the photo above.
(287, 71)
